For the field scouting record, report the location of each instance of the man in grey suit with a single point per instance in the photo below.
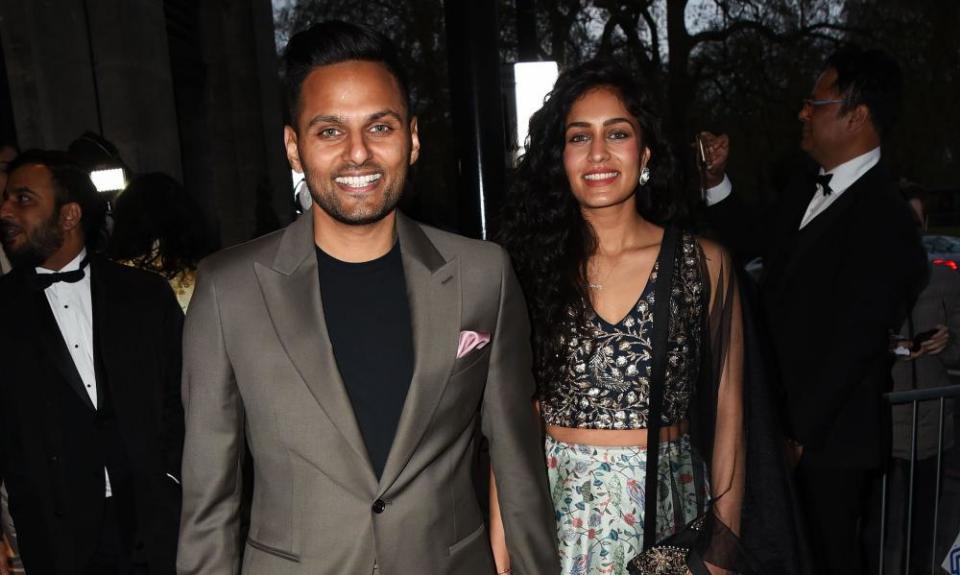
(359, 356)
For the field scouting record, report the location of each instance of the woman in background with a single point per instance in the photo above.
(159, 227)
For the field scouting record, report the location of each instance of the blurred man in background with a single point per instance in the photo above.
(842, 263)
(91, 425)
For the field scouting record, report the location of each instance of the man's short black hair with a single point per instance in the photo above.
(332, 42)
(872, 78)
(71, 184)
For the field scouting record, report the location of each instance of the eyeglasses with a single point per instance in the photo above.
(816, 103)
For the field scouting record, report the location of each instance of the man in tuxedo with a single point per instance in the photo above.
(359, 355)
(842, 262)
(91, 425)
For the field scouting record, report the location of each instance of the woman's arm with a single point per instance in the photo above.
(498, 541)
(729, 448)
(728, 462)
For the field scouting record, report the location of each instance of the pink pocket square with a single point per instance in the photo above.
(470, 340)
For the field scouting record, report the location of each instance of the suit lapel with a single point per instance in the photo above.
(291, 289)
(112, 328)
(795, 202)
(433, 289)
(52, 343)
(827, 221)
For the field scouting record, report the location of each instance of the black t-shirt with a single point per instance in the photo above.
(368, 318)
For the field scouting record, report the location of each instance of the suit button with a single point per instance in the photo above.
(379, 506)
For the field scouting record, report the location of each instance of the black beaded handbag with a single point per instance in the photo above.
(675, 555)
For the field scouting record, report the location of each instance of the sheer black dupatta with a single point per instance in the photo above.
(749, 521)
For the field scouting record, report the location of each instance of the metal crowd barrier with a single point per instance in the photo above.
(914, 397)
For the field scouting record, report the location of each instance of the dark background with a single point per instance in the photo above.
(191, 88)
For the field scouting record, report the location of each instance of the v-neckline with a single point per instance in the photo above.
(651, 282)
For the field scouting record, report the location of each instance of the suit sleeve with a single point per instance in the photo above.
(739, 226)
(213, 444)
(513, 432)
(876, 285)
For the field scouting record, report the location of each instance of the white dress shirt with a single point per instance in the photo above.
(72, 307)
(718, 193)
(844, 176)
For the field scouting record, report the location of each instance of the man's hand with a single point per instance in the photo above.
(934, 345)
(716, 148)
(713, 569)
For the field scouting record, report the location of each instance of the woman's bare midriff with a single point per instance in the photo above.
(614, 437)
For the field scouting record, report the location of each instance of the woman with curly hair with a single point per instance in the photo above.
(637, 340)
(159, 227)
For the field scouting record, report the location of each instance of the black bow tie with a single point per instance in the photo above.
(824, 181)
(43, 281)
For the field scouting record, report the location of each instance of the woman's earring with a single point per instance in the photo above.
(644, 176)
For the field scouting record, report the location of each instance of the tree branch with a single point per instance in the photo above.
(654, 36)
(814, 30)
(606, 43)
(628, 24)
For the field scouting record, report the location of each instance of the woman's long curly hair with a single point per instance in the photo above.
(543, 228)
(159, 226)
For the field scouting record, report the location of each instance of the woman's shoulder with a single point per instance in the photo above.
(715, 259)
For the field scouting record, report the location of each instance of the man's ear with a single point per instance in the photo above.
(70, 215)
(293, 150)
(414, 141)
(858, 118)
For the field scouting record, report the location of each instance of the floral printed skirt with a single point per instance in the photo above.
(598, 495)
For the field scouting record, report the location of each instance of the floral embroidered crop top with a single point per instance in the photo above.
(606, 381)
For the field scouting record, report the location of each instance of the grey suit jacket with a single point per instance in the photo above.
(259, 367)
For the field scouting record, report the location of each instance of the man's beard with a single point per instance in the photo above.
(40, 244)
(325, 195)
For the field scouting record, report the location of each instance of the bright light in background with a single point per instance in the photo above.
(109, 180)
(533, 81)
(296, 177)
(301, 195)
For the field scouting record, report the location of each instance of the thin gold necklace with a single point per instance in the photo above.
(599, 284)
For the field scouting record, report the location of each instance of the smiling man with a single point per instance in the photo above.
(359, 356)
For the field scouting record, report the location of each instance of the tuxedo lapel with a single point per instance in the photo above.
(104, 330)
(51, 341)
(112, 329)
(821, 228)
(794, 204)
(433, 290)
(291, 290)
